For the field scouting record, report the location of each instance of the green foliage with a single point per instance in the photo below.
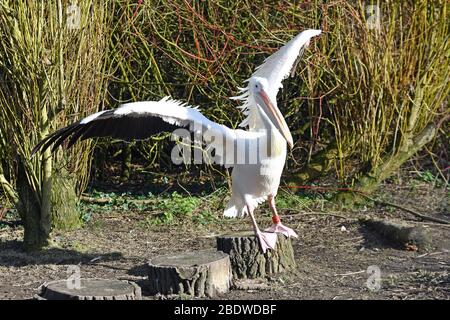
(86, 216)
(205, 217)
(292, 201)
(430, 177)
(175, 206)
(369, 91)
(427, 176)
(162, 209)
(10, 214)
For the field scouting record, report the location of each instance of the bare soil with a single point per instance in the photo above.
(333, 252)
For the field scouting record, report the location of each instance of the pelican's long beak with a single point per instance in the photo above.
(275, 116)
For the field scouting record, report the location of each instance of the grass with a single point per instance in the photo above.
(175, 208)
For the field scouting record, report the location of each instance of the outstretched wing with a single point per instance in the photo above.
(276, 68)
(135, 121)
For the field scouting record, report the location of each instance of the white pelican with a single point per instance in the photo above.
(253, 182)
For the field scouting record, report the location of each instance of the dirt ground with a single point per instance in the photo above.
(333, 252)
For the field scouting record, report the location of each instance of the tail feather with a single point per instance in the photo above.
(235, 211)
(237, 208)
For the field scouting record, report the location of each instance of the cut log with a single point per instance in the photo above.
(399, 234)
(198, 273)
(247, 259)
(90, 289)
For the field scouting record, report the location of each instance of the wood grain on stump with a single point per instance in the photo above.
(90, 289)
(198, 273)
(247, 259)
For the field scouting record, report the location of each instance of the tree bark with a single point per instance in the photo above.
(247, 259)
(199, 273)
(45, 221)
(4, 183)
(30, 210)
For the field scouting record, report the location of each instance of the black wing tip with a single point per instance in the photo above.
(38, 146)
(53, 138)
(34, 151)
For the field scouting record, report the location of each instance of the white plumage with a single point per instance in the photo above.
(274, 70)
(253, 181)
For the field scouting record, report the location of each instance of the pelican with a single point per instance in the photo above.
(253, 182)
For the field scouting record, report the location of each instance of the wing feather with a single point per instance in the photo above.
(137, 121)
(275, 69)
(278, 66)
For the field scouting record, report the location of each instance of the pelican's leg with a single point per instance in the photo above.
(277, 225)
(267, 240)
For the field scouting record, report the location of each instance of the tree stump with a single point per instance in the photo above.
(90, 289)
(247, 259)
(198, 273)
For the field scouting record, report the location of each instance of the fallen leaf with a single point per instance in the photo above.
(411, 247)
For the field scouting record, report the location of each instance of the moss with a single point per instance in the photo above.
(65, 214)
(349, 199)
(320, 164)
